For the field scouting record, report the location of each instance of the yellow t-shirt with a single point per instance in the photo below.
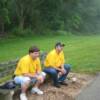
(28, 65)
(54, 60)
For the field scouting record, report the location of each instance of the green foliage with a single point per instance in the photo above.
(20, 32)
(43, 15)
(4, 18)
(89, 13)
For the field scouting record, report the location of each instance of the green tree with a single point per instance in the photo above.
(4, 17)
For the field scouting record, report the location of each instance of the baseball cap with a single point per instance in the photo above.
(59, 44)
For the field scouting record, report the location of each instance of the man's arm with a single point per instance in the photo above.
(29, 75)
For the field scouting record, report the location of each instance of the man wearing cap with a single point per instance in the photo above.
(29, 71)
(55, 67)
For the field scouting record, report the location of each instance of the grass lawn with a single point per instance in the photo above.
(82, 52)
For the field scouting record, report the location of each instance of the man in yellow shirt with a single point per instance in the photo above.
(29, 71)
(55, 66)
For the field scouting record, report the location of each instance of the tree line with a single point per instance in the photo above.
(20, 17)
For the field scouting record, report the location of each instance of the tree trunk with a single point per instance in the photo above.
(2, 29)
(21, 23)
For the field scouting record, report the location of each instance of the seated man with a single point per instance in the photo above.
(29, 71)
(55, 67)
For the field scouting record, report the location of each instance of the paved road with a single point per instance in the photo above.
(92, 92)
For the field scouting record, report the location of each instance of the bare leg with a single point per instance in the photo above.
(36, 89)
(24, 87)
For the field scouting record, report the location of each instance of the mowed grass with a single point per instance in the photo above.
(82, 52)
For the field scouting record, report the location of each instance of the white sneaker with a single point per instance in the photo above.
(23, 96)
(36, 90)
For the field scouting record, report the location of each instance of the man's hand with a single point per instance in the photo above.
(63, 71)
(40, 78)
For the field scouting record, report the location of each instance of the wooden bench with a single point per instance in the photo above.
(6, 71)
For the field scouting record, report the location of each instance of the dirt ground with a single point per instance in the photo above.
(68, 92)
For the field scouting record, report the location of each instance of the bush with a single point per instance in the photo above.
(22, 32)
